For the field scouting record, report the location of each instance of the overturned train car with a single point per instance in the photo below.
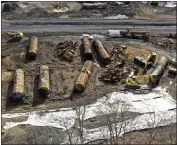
(159, 68)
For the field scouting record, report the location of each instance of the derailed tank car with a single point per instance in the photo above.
(18, 86)
(83, 77)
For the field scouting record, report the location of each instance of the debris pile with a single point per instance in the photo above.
(118, 69)
(67, 50)
(167, 42)
(128, 34)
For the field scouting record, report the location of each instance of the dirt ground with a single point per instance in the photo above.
(62, 75)
(64, 10)
(27, 134)
(62, 78)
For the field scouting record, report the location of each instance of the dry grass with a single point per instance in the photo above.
(133, 51)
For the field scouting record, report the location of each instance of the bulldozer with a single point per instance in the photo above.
(14, 35)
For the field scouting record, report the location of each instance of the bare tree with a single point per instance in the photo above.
(115, 120)
(80, 112)
(153, 122)
(69, 132)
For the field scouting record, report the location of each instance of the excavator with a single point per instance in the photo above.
(145, 63)
(137, 82)
(14, 35)
(148, 81)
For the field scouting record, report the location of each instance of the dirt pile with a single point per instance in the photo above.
(27, 134)
(9, 7)
(167, 42)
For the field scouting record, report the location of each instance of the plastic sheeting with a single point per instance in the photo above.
(158, 109)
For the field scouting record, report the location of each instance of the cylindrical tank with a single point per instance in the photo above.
(138, 33)
(32, 49)
(82, 79)
(87, 48)
(18, 90)
(44, 82)
(126, 33)
(105, 57)
(160, 66)
(94, 5)
(162, 61)
(114, 33)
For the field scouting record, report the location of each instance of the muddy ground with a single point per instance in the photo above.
(62, 78)
(62, 74)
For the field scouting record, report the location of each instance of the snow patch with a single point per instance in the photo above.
(61, 10)
(170, 4)
(117, 17)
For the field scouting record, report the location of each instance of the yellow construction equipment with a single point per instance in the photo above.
(151, 80)
(16, 35)
(136, 82)
(151, 58)
(145, 63)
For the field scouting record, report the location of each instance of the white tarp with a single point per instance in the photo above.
(158, 101)
(141, 122)
(114, 33)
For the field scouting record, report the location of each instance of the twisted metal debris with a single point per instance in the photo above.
(67, 50)
(118, 70)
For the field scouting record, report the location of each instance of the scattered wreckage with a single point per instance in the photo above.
(172, 69)
(32, 48)
(67, 50)
(118, 70)
(128, 34)
(44, 81)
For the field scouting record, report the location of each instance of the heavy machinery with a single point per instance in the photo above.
(135, 82)
(15, 35)
(150, 80)
(145, 63)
